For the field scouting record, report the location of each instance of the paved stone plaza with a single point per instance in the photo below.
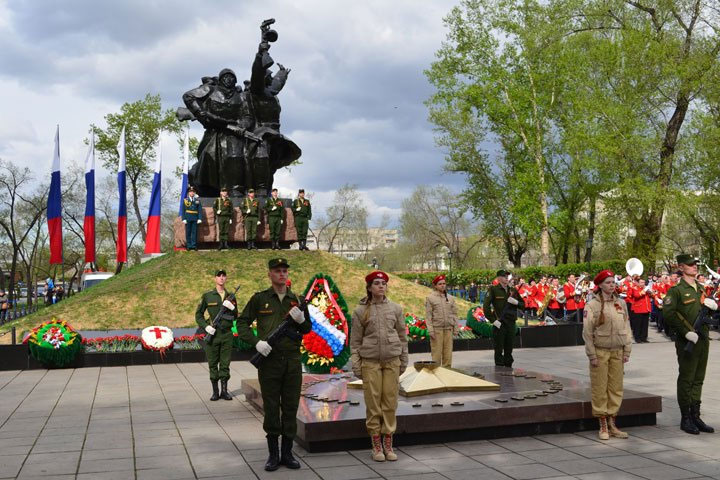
(155, 422)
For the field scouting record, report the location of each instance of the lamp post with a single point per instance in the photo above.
(449, 255)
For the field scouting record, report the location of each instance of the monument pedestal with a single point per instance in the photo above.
(331, 417)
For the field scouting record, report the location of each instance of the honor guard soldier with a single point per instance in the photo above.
(191, 218)
(280, 374)
(219, 348)
(302, 212)
(251, 218)
(680, 309)
(223, 208)
(276, 217)
(500, 306)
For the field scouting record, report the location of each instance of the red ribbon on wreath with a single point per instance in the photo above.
(326, 287)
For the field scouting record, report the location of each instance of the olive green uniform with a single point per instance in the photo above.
(251, 212)
(503, 337)
(302, 212)
(275, 217)
(220, 348)
(680, 309)
(225, 207)
(280, 374)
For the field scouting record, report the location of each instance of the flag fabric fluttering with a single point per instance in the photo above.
(152, 239)
(54, 207)
(122, 205)
(186, 169)
(89, 222)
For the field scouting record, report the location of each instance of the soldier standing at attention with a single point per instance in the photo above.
(441, 320)
(250, 213)
(219, 349)
(500, 306)
(191, 218)
(276, 217)
(280, 374)
(680, 308)
(303, 214)
(223, 208)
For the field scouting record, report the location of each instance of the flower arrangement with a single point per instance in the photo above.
(189, 342)
(479, 324)
(416, 327)
(114, 344)
(54, 343)
(326, 347)
(238, 342)
(157, 339)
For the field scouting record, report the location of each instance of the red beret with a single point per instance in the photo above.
(600, 277)
(438, 278)
(377, 274)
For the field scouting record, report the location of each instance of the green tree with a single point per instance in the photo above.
(143, 120)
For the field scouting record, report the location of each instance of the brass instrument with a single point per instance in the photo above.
(545, 301)
(634, 267)
(560, 295)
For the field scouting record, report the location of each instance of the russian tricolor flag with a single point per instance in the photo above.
(54, 207)
(186, 168)
(152, 240)
(89, 223)
(122, 206)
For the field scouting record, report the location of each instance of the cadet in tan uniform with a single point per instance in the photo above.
(379, 355)
(441, 320)
(608, 341)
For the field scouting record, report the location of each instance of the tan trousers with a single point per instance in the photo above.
(380, 385)
(441, 347)
(606, 381)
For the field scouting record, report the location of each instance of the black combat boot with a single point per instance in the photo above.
(273, 461)
(695, 415)
(255, 247)
(224, 393)
(249, 245)
(220, 245)
(686, 422)
(216, 395)
(287, 458)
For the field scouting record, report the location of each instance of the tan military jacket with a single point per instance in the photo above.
(378, 333)
(440, 311)
(614, 333)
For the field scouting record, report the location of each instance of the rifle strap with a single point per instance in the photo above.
(687, 324)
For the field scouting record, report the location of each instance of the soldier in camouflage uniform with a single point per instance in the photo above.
(280, 374)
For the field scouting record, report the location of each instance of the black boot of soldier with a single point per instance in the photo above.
(686, 422)
(287, 458)
(273, 461)
(216, 395)
(224, 393)
(220, 245)
(695, 414)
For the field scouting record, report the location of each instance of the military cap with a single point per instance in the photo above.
(251, 190)
(278, 262)
(502, 273)
(376, 274)
(302, 190)
(220, 272)
(191, 189)
(686, 259)
(223, 189)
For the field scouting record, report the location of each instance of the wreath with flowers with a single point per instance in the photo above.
(479, 324)
(157, 339)
(327, 346)
(239, 343)
(416, 327)
(54, 343)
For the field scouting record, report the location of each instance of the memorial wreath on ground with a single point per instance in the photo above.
(54, 343)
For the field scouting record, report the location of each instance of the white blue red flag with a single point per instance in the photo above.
(122, 206)
(54, 207)
(89, 222)
(152, 239)
(186, 168)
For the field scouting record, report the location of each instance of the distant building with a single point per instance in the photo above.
(354, 245)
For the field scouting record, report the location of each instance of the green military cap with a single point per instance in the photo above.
(220, 272)
(502, 273)
(278, 262)
(251, 190)
(686, 259)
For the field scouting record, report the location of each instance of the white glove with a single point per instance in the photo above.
(710, 303)
(263, 347)
(297, 315)
(185, 222)
(622, 295)
(258, 222)
(247, 211)
(297, 209)
(646, 289)
(274, 207)
(659, 301)
(691, 337)
(282, 221)
(219, 211)
(230, 222)
(497, 324)
(229, 305)
(578, 291)
(210, 330)
(199, 221)
(512, 301)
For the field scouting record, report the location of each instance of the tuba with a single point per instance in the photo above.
(545, 301)
(634, 267)
(560, 296)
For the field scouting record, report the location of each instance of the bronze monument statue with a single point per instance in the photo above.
(242, 147)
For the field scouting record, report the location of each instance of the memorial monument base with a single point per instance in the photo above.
(331, 417)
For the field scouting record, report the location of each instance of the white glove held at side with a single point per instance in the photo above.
(199, 221)
(497, 324)
(512, 301)
(297, 315)
(710, 303)
(229, 305)
(219, 211)
(258, 222)
(210, 330)
(263, 347)
(185, 222)
(297, 209)
(692, 337)
(274, 207)
(659, 301)
(230, 222)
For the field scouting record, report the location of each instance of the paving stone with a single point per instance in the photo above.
(349, 472)
(495, 459)
(578, 467)
(106, 465)
(628, 462)
(10, 465)
(529, 471)
(322, 461)
(664, 472)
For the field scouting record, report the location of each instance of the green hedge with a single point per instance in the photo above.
(485, 276)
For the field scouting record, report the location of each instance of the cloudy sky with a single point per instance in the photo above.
(353, 101)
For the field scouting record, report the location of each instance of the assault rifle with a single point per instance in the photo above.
(704, 317)
(224, 314)
(285, 329)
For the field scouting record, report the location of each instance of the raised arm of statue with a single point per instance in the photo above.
(278, 81)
